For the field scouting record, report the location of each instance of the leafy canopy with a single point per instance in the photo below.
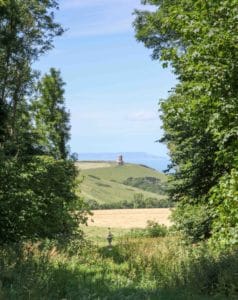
(198, 40)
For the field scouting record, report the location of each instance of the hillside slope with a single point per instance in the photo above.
(103, 185)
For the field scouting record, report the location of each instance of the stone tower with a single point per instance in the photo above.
(120, 161)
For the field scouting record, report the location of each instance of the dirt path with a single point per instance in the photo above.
(130, 218)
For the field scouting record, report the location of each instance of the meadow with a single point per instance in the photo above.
(152, 262)
(137, 267)
(104, 185)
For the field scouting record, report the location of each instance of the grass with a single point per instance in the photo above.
(121, 173)
(103, 182)
(105, 191)
(135, 268)
(99, 234)
(85, 165)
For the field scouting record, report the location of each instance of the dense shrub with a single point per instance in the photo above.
(138, 202)
(37, 198)
(193, 220)
(224, 203)
(148, 183)
(152, 230)
(155, 229)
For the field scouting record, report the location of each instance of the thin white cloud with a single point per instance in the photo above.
(142, 116)
(92, 115)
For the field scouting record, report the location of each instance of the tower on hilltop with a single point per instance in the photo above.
(120, 161)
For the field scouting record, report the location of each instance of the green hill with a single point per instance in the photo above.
(107, 185)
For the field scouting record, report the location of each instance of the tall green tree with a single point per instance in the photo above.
(37, 183)
(50, 116)
(198, 39)
(27, 30)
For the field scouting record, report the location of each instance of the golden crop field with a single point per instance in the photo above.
(129, 218)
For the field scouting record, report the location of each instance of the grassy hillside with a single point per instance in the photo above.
(93, 164)
(111, 171)
(103, 183)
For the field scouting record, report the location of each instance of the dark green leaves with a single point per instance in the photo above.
(37, 199)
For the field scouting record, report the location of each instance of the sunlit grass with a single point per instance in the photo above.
(134, 268)
(98, 235)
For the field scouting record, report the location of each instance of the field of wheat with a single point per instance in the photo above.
(129, 218)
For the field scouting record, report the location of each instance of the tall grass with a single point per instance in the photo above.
(135, 268)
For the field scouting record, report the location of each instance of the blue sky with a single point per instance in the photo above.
(112, 85)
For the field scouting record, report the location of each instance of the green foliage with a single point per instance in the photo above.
(27, 30)
(193, 220)
(224, 201)
(147, 183)
(138, 202)
(50, 116)
(37, 192)
(37, 199)
(135, 268)
(198, 39)
(154, 229)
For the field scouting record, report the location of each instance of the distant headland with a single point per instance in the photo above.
(156, 162)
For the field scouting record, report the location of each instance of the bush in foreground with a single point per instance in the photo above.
(37, 199)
